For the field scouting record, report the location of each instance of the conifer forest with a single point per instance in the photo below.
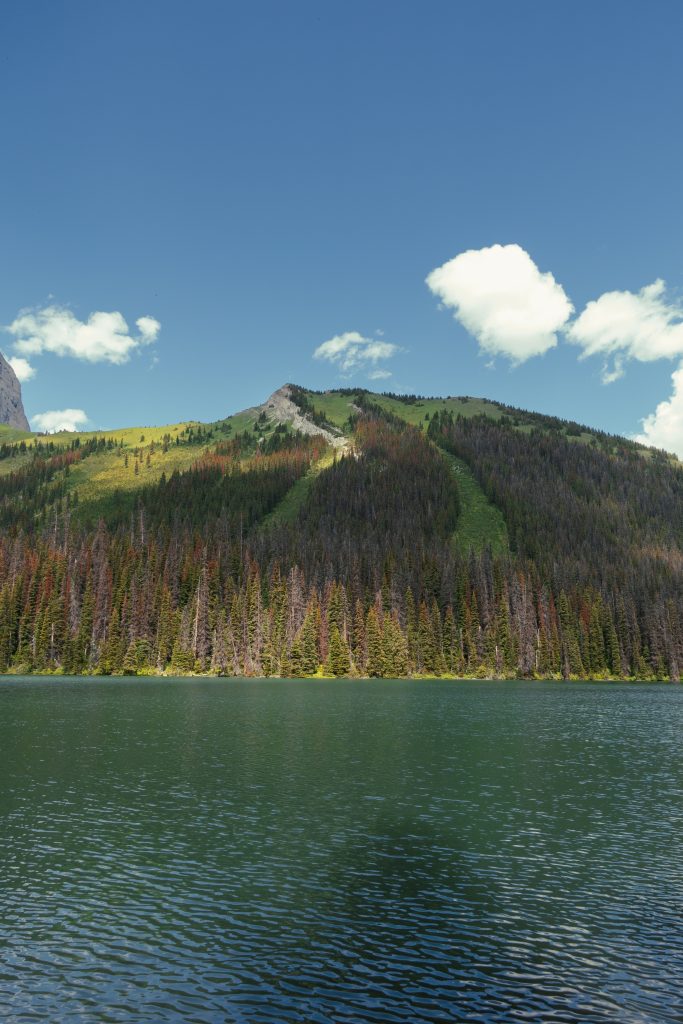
(271, 552)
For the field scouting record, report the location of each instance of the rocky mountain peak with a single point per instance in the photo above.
(281, 409)
(11, 406)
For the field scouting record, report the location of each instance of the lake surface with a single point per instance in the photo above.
(336, 851)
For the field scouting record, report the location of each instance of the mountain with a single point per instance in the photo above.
(11, 406)
(363, 533)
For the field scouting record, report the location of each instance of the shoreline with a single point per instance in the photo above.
(321, 677)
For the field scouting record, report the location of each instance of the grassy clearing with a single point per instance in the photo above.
(16, 462)
(481, 524)
(417, 413)
(9, 434)
(105, 484)
(108, 481)
(288, 509)
(107, 469)
(238, 423)
(132, 437)
(336, 408)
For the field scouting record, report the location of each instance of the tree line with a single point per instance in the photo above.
(204, 576)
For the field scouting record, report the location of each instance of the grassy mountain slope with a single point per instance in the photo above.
(132, 458)
(384, 535)
(480, 525)
(287, 510)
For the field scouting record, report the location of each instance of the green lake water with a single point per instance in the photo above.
(337, 851)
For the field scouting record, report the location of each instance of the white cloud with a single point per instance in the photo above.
(379, 374)
(630, 325)
(59, 419)
(104, 337)
(149, 328)
(643, 326)
(501, 297)
(22, 368)
(664, 427)
(351, 351)
(609, 374)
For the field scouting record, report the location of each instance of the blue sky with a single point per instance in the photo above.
(254, 180)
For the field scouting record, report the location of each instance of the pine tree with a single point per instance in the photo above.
(220, 658)
(373, 632)
(572, 664)
(254, 621)
(449, 641)
(111, 656)
(182, 659)
(165, 631)
(338, 661)
(439, 660)
(411, 629)
(304, 658)
(359, 639)
(612, 645)
(506, 661)
(394, 648)
(428, 659)
(596, 640)
(201, 636)
(83, 640)
(137, 657)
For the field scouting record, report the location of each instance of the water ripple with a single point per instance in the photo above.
(340, 852)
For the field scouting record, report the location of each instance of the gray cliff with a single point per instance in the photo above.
(11, 405)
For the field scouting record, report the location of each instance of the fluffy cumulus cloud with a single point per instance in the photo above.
(664, 427)
(351, 352)
(59, 419)
(149, 328)
(103, 337)
(22, 368)
(630, 325)
(501, 297)
(644, 326)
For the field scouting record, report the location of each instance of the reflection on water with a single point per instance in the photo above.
(335, 851)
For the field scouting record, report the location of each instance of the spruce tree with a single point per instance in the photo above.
(375, 661)
(596, 640)
(359, 638)
(428, 659)
(394, 648)
(572, 664)
(338, 661)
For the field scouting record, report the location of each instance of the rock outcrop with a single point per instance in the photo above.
(11, 406)
(280, 408)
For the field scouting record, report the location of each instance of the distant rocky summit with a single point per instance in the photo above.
(11, 406)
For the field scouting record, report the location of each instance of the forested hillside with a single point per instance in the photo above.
(422, 536)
